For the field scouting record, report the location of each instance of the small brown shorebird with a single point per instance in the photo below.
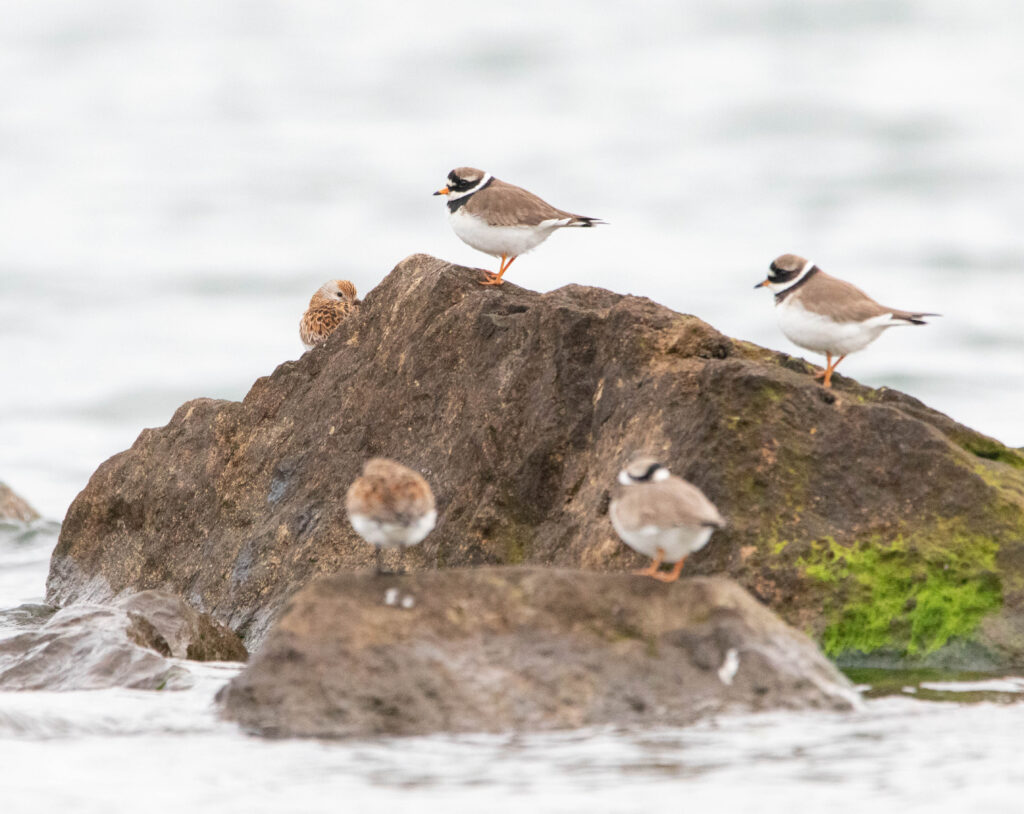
(390, 506)
(661, 516)
(500, 219)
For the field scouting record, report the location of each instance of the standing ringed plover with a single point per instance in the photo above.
(661, 516)
(331, 303)
(500, 219)
(827, 315)
(390, 506)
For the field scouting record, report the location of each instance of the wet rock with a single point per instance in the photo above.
(496, 649)
(187, 633)
(13, 507)
(89, 647)
(128, 644)
(519, 408)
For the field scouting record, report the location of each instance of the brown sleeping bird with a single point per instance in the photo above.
(328, 307)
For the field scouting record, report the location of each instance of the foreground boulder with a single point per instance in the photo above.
(13, 507)
(860, 515)
(91, 647)
(497, 649)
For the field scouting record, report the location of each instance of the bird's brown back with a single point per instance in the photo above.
(389, 492)
(667, 503)
(320, 321)
(502, 204)
(842, 301)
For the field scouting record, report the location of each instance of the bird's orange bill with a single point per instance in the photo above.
(443, 191)
(762, 283)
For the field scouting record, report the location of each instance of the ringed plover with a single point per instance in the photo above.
(390, 506)
(331, 303)
(500, 219)
(827, 315)
(661, 516)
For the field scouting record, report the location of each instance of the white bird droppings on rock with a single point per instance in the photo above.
(730, 665)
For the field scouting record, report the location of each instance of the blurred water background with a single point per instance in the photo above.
(177, 178)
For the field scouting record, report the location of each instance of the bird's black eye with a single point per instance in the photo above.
(781, 275)
(648, 474)
(651, 470)
(456, 184)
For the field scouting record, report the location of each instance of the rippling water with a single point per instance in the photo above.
(179, 178)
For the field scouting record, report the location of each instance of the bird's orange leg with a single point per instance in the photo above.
(830, 370)
(495, 279)
(828, 366)
(672, 575)
(652, 569)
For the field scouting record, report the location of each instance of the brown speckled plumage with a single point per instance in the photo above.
(388, 492)
(328, 307)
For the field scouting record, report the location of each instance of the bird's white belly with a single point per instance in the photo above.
(391, 535)
(819, 333)
(676, 543)
(510, 241)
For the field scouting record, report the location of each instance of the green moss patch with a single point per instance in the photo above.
(902, 597)
(989, 449)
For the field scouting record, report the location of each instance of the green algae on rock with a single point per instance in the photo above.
(897, 597)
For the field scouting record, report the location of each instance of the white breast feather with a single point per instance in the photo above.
(390, 535)
(819, 333)
(510, 241)
(676, 542)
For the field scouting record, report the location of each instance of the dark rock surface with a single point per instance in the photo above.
(13, 507)
(860, 515)
(497, 649)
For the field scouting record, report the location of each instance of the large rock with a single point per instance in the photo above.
(13, 507)
(860, 515)
(496, 649)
